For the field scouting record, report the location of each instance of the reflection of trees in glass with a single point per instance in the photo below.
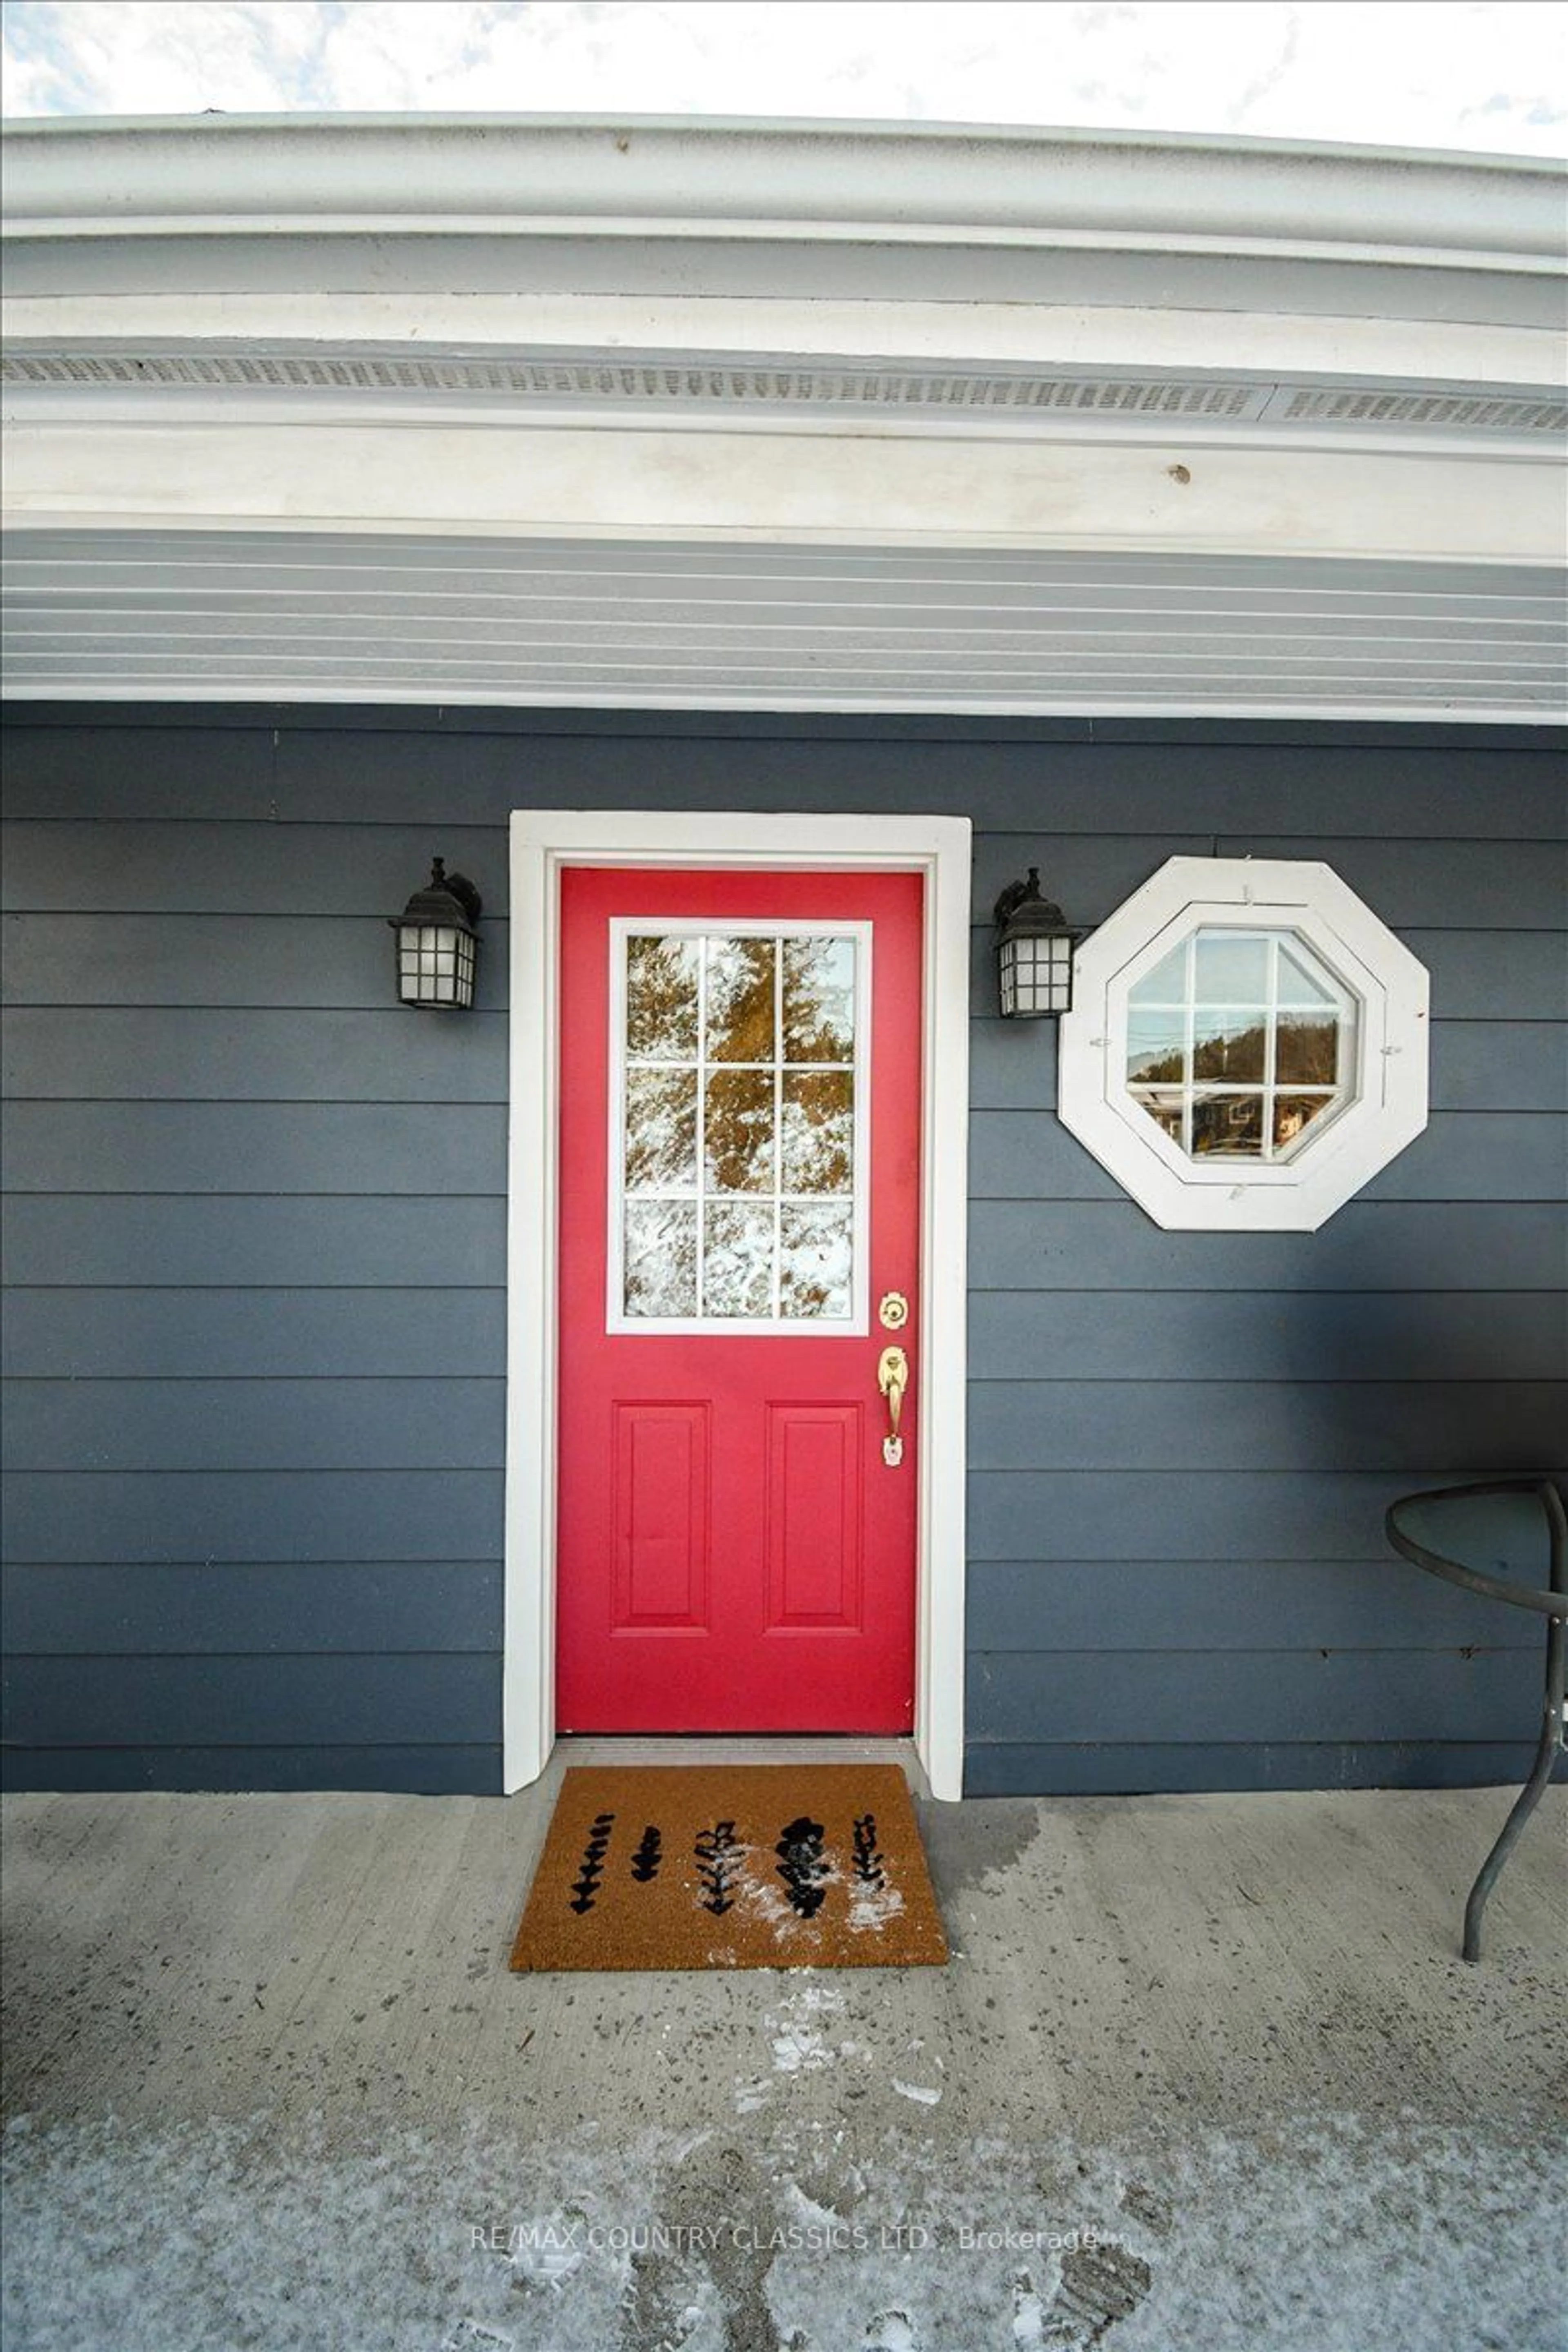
(661, 1130)
(661, 999)
(738, 1258)
(818, 1131)
(661, 1257)
(738, 1131)
(741, 1026)
(703, 1098)
(1308, 1050)
(813, 1258)
(819, 1000)
(1230, 1053)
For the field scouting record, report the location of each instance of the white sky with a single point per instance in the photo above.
(1431, 73)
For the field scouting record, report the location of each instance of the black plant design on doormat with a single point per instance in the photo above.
(718, 1866)
(647, 1857)
(803, 1865)
(869, 1856)
(586, 1885)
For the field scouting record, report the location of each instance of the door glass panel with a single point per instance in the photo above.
(661, 1130)
(818, 1131)
(739, 1156)
(818, 1000)
(741, 1001)
(738, 1132)
(738, 1258)
(662, 1005)
(661, 1257)
(815, 1259)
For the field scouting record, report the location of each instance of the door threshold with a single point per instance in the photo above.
(604, 1747)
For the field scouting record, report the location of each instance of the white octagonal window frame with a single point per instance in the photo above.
(1388, 1108)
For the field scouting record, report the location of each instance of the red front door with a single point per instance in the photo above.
(740, 1202)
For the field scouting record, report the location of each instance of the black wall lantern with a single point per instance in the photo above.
(1034, 953)
(438, 946)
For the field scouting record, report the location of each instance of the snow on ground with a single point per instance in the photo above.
(1326, 2234)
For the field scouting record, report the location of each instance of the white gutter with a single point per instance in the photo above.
(650, 175)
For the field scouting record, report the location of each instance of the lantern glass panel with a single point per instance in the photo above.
(1035, 975)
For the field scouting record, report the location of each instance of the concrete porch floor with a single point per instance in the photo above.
(1204, 2072)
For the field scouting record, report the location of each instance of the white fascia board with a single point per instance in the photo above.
(647, 176)
(1064, 338)
(845, 488)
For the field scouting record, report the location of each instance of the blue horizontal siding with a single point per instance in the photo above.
(305, 872)
(130, 1609)
(254, 1334)
(303, 1515)
(435, 1700)
(109, 1053)
(258, 1226)
(367, 1148)
(1239, 1425)
(439, 1769)
(1117, 1769)
(146, 1240)
(1373, 1245)
(1351, 1695)
(1194, 1515)
(239, 1425)
(1511, 1334)
(1111, 1606)
(1140, 777)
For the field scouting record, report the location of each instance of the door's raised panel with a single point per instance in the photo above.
(814, 1519)
(661, 1484)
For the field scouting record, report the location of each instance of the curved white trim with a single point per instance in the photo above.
(1389, 1107)
(543, 841)
(824, 181)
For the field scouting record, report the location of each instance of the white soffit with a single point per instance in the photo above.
(775, 415)
(320, 616)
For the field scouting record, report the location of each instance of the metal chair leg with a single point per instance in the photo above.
(1551, 1744)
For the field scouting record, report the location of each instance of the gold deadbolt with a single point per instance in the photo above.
(894, 1311)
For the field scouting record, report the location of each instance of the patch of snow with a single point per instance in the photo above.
(1328, 2232)
(871, 1907)
(926, 2096)
(891, 2331)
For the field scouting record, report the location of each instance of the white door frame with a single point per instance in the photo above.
(543, 841)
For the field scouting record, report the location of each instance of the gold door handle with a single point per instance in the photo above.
(893, 1379)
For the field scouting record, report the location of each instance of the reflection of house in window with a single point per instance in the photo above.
(1222, 1026)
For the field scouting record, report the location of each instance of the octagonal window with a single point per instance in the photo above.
(1241, 1045)
(1247, 1047)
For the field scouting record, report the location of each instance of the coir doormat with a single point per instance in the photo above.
(733, 1866)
